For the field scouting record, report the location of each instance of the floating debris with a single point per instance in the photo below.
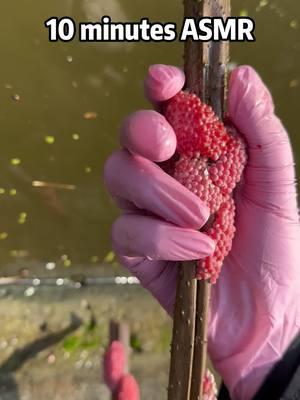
(15, 161)
(8, 86)
(3, 235)
(114, 74)
(294, 24)
(87, 170)
(263, 3)
(53, 185)
(294, 83)
(110, 257)
(94, 81)
(67, 263)
(74, 84)
(49, 139)
(94, 259)
(16, 97)
(22, 218)
(69, 59)
(244, 13)
(60, 282)
(2, 191)
(89, 115)
(12, 192)
(75, 136)
(19, 253)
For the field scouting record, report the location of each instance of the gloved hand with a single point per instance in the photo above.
(255, 310)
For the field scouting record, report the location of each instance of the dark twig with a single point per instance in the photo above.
(205, 69)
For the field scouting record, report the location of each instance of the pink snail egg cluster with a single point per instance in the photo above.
(114, 364)
(209, 162)
(210, 389)
(122, 385)
(128, 389)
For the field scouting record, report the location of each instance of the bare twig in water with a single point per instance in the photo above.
(53, 185)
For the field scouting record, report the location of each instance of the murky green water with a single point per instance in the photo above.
(46, 91)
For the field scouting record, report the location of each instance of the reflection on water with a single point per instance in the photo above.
(61, 105)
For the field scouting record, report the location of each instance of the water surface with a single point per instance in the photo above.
(61, 105)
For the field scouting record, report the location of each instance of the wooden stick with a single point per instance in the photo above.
(120, 331)
(200, 346)
(205, 69)
(182, 348)
(214, 59)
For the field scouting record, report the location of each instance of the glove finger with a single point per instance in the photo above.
(148, 187)
(148, 134)
(163, 82)
(153, 239)
(158, 277)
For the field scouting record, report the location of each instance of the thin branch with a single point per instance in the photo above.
(205, 69)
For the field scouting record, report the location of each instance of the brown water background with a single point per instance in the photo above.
(46, 89)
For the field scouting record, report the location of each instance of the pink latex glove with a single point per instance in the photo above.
(255, 311)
